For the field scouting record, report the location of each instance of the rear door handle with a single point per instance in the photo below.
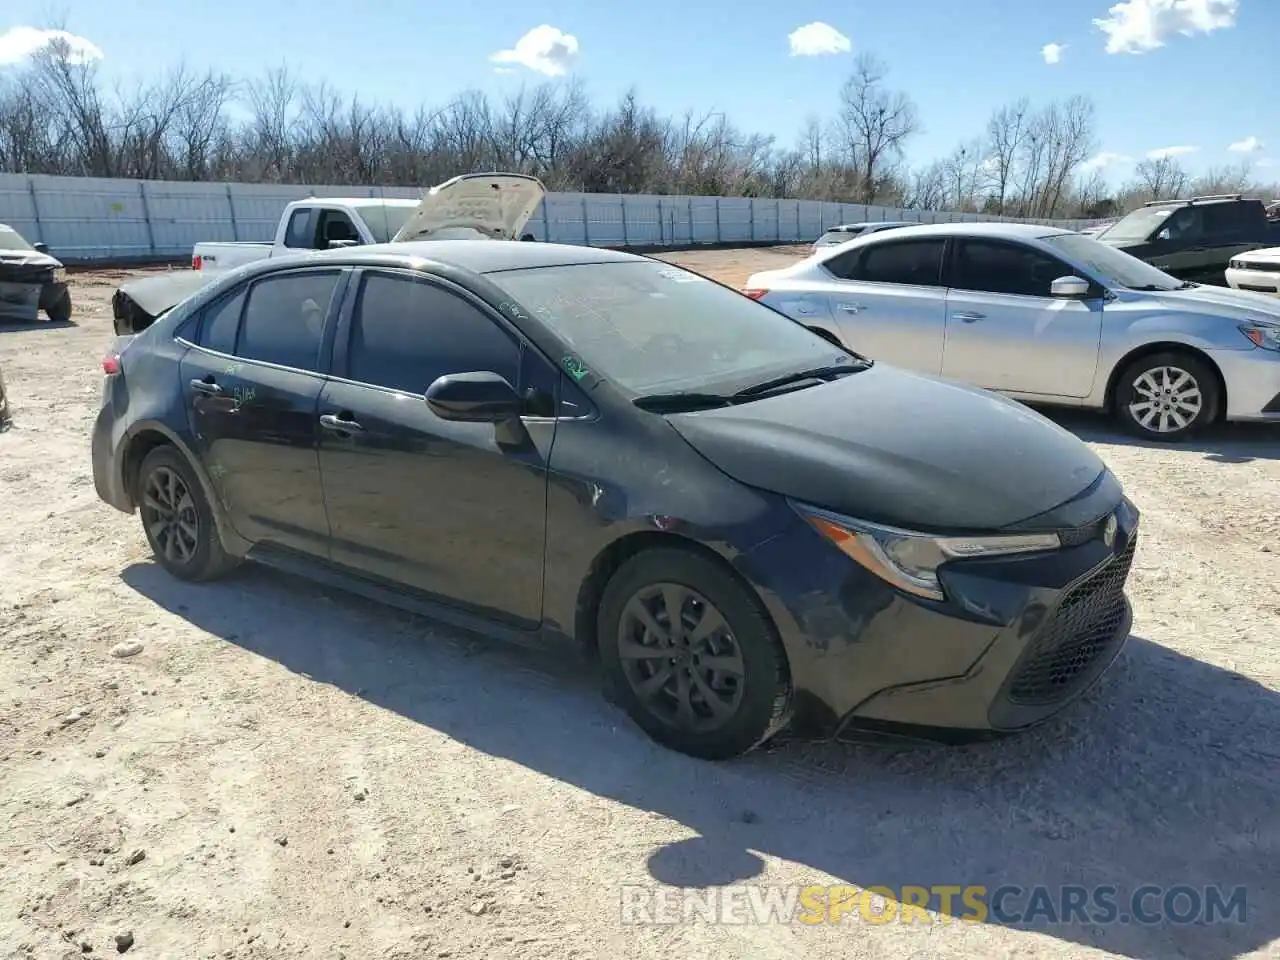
(338, 425)
(206, 386)
(969, 317)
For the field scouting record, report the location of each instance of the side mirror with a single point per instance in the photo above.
(1069, 288)
(1163, 234)
(481, 397)
(40, 247)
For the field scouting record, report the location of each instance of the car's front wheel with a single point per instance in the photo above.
(178, 519)
(1167, 396)
(691, 655)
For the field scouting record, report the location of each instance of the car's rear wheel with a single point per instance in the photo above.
(1167, 396)
(692, 655)
(178, 519)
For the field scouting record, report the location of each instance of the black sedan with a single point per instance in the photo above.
(746, 525)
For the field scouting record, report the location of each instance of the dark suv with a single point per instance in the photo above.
(1194, 239)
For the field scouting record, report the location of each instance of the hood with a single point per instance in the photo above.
(1225, 302)
(28, 258)
(158, 293)
(1265, 255)
(496, 205)
(898, 448)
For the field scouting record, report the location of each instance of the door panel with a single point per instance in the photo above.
(1004, 332)
(889, 303)
(455, 510)
(255, 431)
(1022, 344)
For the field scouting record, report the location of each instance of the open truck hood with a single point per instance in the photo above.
(495, 205)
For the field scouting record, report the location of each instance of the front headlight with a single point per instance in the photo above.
(60, 275)
(1263, 335)
(910, 560)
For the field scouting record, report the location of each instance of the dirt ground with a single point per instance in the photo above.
(257, 769)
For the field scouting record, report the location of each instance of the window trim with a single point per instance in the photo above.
(246, 287)
(1096, 290)
(860, 254)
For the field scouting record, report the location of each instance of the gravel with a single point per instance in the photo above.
(443, 796)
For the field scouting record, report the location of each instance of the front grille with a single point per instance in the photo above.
(1261, 266)
(1079, 632)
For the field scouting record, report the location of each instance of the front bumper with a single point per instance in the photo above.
(1257, 280)
(1022, 638)
(1252, 378)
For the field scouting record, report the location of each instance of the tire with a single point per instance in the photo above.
(58, 305)
(198, 553)
(827, 335)
(1161, 371)
(754, 706)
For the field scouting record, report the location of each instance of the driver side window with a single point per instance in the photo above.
(989, 266)
(1184, 225)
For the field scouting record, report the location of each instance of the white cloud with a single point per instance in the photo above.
(1052, 52)
(1161, 152)
(18, 44)
(1106, 159)
(1265, 162)
(1137, 26)
(1247, 145)
(543, 49)
(816, 39)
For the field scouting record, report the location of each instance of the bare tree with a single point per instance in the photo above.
(1161, 178)
(1006, 136)
(876, 122)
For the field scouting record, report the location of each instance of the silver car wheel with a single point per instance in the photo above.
(1166, 400)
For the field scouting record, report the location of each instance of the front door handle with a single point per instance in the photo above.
(969, 317)
(850, 307)
(206, 386)
(339, 425)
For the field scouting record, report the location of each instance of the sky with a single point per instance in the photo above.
(1187, 78)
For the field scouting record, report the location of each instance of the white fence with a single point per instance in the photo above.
(88, 219)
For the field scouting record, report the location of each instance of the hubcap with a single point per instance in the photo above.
(681, 658)
(170, 516)
(1166, 399)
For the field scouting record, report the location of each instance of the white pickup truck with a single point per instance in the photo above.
(480, 206)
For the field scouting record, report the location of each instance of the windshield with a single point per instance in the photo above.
(384, 222)
(1114, 267)
(1140, 224)
(11, 239)
(650, 327)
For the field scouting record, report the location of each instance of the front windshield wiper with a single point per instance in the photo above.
(1153, 288)
(799, 376)
(681, 402)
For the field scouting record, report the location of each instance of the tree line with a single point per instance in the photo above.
(58, 117)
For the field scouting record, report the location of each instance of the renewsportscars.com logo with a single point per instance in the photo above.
(1008, 904)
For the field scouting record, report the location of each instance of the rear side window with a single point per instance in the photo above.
(1226, 218)
(991, 267)
(408, 332)
(284, 319)
(298, 232)
(911, 262)
(221, 322)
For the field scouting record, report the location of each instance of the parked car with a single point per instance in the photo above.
(31, 280)
(746, 524)
(1043, 315)
(847, 231)
(1256, 270)
(1194, 239)
(463, 207)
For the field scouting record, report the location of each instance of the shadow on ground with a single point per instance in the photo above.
(1223, 443)
(1167, 774)
(35, 326)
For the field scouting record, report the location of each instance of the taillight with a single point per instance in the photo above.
(755, 294)
(197, 262)
(111, 364)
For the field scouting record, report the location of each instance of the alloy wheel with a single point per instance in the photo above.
(169, 512)
(1165, 399)
(681, 658)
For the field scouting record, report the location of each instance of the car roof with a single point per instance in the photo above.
(1013, 231)
(360, 201)
(477, 256)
